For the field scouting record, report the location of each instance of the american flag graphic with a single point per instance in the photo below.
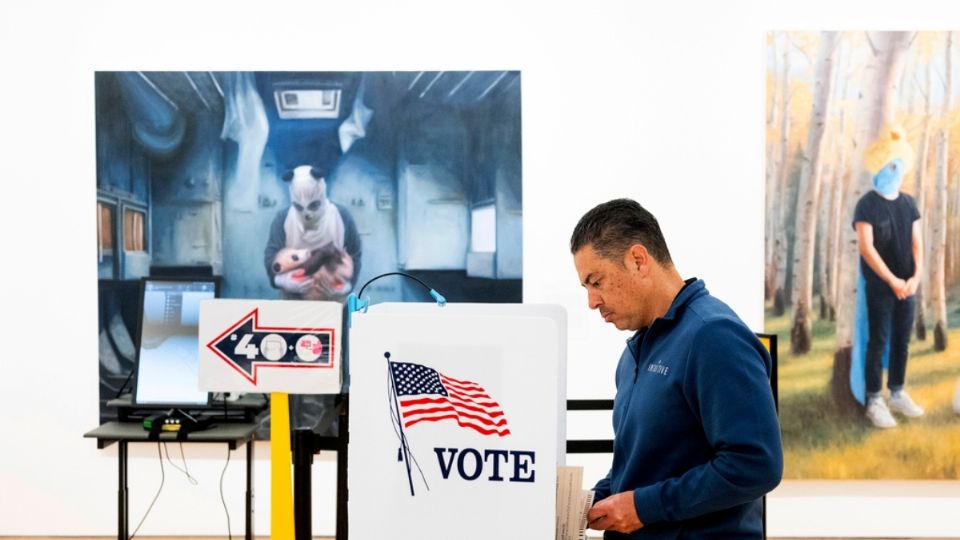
(425, 395)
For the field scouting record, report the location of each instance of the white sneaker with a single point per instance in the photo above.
(956, 399)
(900, 402)
(878, 413)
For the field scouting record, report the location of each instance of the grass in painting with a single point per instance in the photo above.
(822, 441)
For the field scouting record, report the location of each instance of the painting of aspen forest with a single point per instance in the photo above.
(862, 254)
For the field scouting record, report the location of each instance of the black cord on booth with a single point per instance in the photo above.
(371, 280)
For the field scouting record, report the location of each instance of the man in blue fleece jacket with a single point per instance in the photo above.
(696, 436)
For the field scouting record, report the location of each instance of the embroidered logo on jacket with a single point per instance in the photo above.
(658, 368)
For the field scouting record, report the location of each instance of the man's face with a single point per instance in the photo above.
(611, 288)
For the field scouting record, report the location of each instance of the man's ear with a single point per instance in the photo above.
(638, 258)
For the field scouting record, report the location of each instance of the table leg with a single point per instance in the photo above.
(123, 501)
(303, 443)
(249, 496)
(342, 495)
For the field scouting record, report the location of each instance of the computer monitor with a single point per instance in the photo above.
(167, 363)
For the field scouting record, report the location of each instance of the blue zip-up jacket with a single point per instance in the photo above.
(696, 435)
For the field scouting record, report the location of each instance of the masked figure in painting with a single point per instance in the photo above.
(891, 261)
(313, 251)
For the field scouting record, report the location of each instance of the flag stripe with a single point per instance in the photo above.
(464, 389)
(478, 407)
(483, 431)
(447, 377)
(453, 401)
(482, 420)
(491, 407)
(468, 395)
(459, 386)
(422, 401)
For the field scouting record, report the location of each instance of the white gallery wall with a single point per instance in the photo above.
(659, 101)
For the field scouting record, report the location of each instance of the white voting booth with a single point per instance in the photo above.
(457, 418)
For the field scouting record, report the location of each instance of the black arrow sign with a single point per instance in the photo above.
(247, 346)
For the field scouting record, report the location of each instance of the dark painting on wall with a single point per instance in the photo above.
(304, 186)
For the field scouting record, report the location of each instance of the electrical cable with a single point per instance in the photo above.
(371, 280)
(184, 470)
(116, 351)
(163, 477)
(222, 499)
(125, 381)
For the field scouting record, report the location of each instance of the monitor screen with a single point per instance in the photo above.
(168, 364)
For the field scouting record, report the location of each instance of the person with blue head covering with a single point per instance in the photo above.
(888, 228)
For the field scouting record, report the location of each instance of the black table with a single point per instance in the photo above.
(233, 434)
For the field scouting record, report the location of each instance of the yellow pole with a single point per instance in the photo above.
(281, 488)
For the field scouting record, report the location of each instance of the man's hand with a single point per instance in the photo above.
(615, 513)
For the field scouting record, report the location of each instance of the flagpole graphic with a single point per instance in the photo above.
(403, 453)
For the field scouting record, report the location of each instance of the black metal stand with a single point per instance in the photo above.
(249, 496)
(305, 444)
(342, 493)
(302, 480)
(123, 499)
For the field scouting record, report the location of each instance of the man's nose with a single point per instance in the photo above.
(593, 300)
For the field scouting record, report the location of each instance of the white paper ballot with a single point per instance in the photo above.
(573, 503)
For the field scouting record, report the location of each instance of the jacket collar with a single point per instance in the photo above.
(691, 289)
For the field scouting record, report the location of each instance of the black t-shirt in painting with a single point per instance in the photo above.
(892, 223)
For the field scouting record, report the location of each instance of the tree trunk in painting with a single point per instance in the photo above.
(808, 197)
(836, 220)
(823, 218)
(777, 270)
(919, 191)
(770, 187)
(953, 230)
(876, 106)
(837, 185)
(938, 240)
